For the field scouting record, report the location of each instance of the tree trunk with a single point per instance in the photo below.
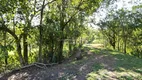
(80, 44)
(45, 57)
(60, 51)
(113, 43)
(19, 53)
(40, 45)
(40, 34)
(25, 48)
(114, 46)
(125, 45)
(51, 52)
(70, 45)
(114, 40)
(5, 51)
(118, 48)
(62, 26)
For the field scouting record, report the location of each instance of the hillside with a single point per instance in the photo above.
(97, 64)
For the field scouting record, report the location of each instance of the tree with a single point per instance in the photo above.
(57, 18)
(62, 16)
(119, 28)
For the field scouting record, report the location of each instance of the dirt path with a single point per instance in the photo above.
(70, 70)
(74, 70)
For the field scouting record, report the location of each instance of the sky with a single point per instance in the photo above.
(101, 12)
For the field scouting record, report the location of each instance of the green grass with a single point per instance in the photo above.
(126, 67)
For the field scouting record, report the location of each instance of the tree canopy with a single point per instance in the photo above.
(39, 30)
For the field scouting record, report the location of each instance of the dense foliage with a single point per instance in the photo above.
(42, 30)
(123, 31)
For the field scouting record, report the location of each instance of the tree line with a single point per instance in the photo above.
(122, 30)
(40, 30)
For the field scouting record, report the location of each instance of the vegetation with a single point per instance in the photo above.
(36, 34)
(42, 31)
(122, 30)
(122, 66)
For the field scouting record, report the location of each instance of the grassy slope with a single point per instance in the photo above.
(121, 67)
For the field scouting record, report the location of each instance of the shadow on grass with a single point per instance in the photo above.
(125, 67)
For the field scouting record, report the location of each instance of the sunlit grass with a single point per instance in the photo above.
(126, 67)
(104, 74)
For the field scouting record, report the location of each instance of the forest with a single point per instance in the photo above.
(70, 40)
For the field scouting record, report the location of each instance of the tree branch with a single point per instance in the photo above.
(9, 31)
(43, 6)
(70, 19)
(81, 2)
